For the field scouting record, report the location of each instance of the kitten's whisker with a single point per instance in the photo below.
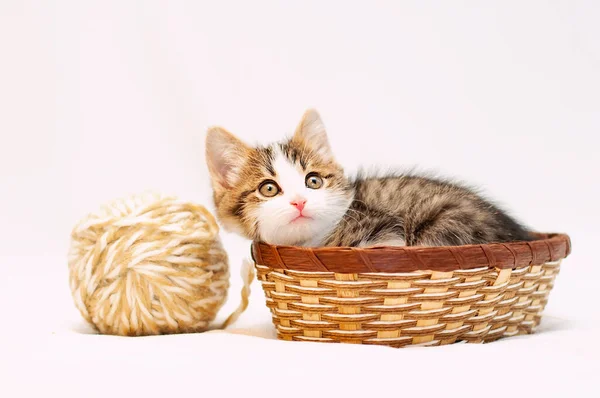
(352, 217)
(360, 213)
(360, 201)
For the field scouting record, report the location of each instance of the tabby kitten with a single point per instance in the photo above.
(295, 193)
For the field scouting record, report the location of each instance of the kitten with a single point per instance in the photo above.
(295, 193)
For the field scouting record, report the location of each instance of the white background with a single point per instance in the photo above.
(100, 100)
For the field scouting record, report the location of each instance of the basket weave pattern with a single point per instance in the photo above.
(420, 307)
(431, 308)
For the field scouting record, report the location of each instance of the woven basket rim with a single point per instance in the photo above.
(397, 259)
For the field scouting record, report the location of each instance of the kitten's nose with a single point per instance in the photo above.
(299, 204)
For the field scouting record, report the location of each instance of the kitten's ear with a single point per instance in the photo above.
(225, 156)
(312, 133)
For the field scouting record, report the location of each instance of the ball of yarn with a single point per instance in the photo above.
(148, 265)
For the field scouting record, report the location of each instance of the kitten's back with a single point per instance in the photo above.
(421, 210)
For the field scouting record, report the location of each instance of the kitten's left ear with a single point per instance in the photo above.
(311, 132)
(225, 156)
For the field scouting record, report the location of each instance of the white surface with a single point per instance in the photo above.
(102, 99)
(48, 351)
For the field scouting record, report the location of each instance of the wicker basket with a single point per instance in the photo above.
(401, 296)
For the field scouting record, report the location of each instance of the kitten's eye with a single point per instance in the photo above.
(313, 181)
(268, 189)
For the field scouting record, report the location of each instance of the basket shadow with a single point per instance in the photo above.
(550, 324)
(261, 330)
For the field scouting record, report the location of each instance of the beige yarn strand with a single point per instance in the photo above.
(248, 277)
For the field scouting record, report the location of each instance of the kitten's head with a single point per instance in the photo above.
(288, 193)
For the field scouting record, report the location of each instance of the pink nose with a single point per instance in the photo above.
(299, 204)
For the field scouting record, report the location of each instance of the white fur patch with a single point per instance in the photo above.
(324, 208)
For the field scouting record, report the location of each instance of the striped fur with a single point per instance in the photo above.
(403, 209)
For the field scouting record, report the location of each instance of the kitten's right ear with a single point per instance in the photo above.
(312, 133)
(225, 156)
